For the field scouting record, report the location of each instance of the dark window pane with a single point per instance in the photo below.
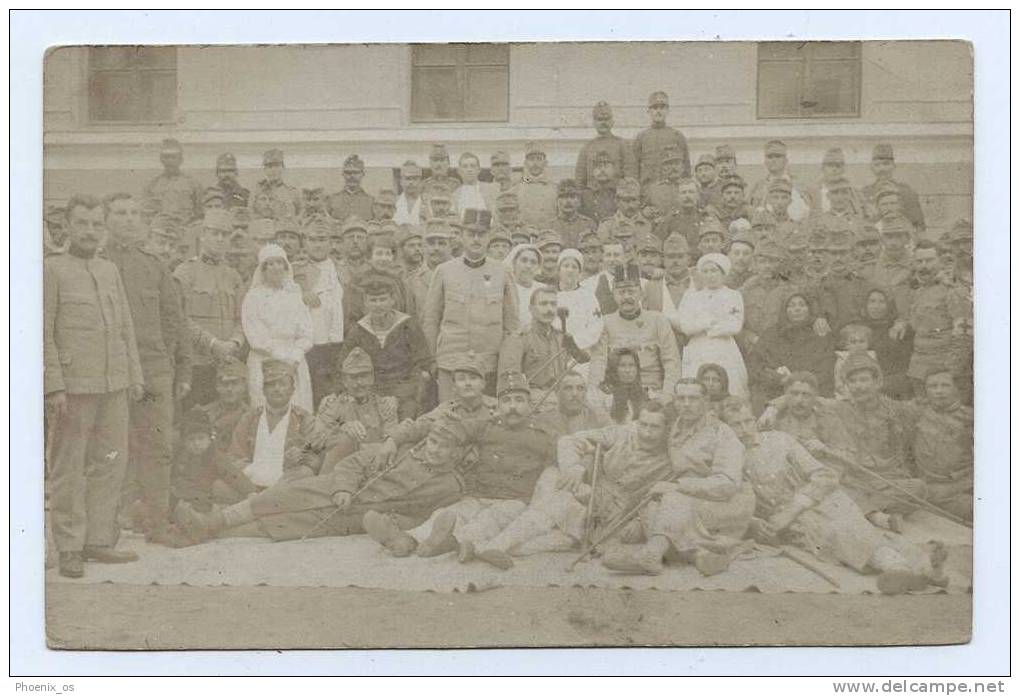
(111, 57)
(485, 98)
(111, 96)
(435, 95)
(435, 54)
(832, 88)
(156, 57)
(157, 96)
(778, 89)
(488, 54)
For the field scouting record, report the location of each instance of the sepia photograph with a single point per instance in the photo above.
(522, 344)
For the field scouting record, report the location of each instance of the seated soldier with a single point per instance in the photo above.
(231, 401)
(270, 442)
(334, 504)
(395, 343)
(944, 445)
(356, 416)
(799, 502)
(195, 468)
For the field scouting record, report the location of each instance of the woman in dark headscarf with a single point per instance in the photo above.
(793, 345)
(717, 385)
(878, 313)
(622, 384)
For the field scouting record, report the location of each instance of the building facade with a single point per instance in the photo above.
(107, 109)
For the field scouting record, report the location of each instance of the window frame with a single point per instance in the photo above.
(804, 79)
(461, 69)
(136, 72)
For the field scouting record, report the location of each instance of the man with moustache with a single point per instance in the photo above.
(352, 198)
(536, 194)
(883, 165)
(164, 351)
(569, 223)
(619, 151)
(628, 219)
(172, 193)
(227, 187)
(598, 199)
(91, 368)
(663, 194)
(355, 262)
(685, 217)
(384, 207)
(285, 200)
(652, 144)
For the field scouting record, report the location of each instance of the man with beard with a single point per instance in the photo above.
(91, 367)
(409, 203)
(471, 304)
(285, 200)
(352, 198)
(799, 502)
(164, 350)
(384, 207)
(701, 506)
(619, 151)
(569, 223)
(230, 191)
(883, 165)
(176, 195)
(212, 293)
(647, 332)
(512, 450)
(628, 218)
(935, 310)
(540, 351)
(598, 199)
(651, 144)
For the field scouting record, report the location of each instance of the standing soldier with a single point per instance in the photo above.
(471, 305)
(569, 223)
(161, 336)
(651, 144)
(536, 194)
(619, 151)
(599, 200)
(883, 164)
(499, 167)
(91, 366)
(231, 192)
(385, 205)
(212, 304)
(284, 199)
(172, 193)
(352, 199)
(647, 332)
(443, 178)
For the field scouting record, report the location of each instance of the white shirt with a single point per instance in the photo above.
(407, 215)
(266, 467)
(328, 317)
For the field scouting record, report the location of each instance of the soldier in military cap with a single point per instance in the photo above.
(651, 144)
(893, 268)
(284, 200)
(499, 167)
(817, 267)
(512, 451)
(163, 238)
(628, 214)
(313, 203)
(384, 207)
(232, 193)
(354, 236)
(841, 207)
(212, 304)
(471, 303)
(591, 250)
(442, 177)
(883, 165)
(569, 223)
(507, 217)
(733, 204)
(646, 331)
(409, 202)
(833, 170)
(437, 239)
(763, 224)
(173, 193)
(764, 292)
(741, 254)
(242, 256)
(231, 400)
(355, 416)
(844, 290)
(961, 241)
(536, 194)
(866, 249)
(664, 294)
(499, 246)
(598, 200)
(352, 198)
(705, 175)
(889, 206)
(685, 217)
(778, 203)
(725, 161)
(663, 194)
(777, 167)
(440, 204)
(550, 244)
(711, 237)
(649, 255)
(619, 151)
(289, 236)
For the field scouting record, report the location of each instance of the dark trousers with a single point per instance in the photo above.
(203, 387)
(320, 361)
(147, 478)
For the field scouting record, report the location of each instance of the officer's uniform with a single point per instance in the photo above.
(651, 144)
(164, 349)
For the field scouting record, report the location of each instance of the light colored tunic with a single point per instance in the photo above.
(710, 319)
(584, 322)
(277, 325)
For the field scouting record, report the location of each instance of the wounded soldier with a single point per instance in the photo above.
(799, 502)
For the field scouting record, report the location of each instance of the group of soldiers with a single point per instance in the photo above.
(454, 411)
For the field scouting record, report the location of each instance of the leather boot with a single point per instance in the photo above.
(385, 532)
(440, 539)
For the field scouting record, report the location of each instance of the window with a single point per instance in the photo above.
(814, 79)
(460, 82)
(132, 84)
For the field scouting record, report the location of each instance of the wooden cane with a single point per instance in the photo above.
(613, 528)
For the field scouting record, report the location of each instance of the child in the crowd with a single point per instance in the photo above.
(853, 338)
(194, 469)
(622, 384)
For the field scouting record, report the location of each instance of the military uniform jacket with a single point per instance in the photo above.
(411, 432)
(639, 224)
(88, 337)
(233, 196)
(620, 152)
(531, 351)
(780, 469)
(212, 304)
(156, 313)
(571, 231)
(944, 444)
(598, 203)
(709, 456)
(882, 436)
(910, 204)
(510, 460)
(537, 197)
(178, 197)
(470, 306)
(285, 200)
(651, 336)
(378, 414)
(242, 445)
(342, 204)
(224, 420)
(933, 309)
(649, 146)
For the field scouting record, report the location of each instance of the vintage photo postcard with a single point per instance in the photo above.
(508, 344)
